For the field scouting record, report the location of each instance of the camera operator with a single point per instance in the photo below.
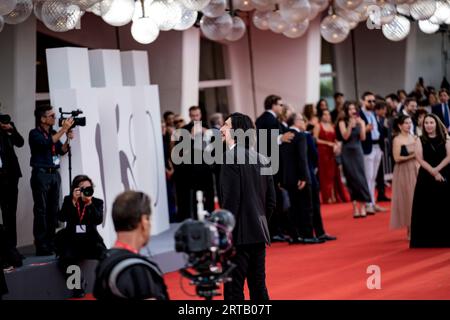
(124, 274)
(46, 149)
(9, 179)
(80, 239)
(250, 197)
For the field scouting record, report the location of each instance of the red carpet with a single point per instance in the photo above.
(337, 270)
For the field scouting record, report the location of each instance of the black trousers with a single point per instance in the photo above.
(8, 205)
(46, 190)
(380, 180)
(301, 212)
(250, 260)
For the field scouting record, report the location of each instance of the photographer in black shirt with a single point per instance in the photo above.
(9, 180)
(46, 150)
(124, 273)
(80, 240)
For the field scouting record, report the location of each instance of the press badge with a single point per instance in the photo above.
(56, 160)
(81, 228)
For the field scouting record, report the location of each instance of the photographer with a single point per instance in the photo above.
(46, 150)
(80, 239)
(124, 274)
(9, 179)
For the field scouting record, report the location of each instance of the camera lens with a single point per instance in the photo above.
(88, 191)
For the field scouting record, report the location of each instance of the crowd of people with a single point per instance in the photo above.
(325, 156)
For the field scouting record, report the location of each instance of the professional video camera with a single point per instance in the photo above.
(78, 121)
(209, 247)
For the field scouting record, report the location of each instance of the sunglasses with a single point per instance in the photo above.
(372, 101)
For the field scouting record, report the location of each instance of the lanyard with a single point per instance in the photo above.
(81, 213)
(121, 245)
(46, 137)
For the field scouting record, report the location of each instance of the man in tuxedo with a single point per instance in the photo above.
(297, 180)
(269, 120)
(380, 114)
(410, 110)
(371, 148)
(442, 109)
(250, 197)
(190, 178)
(9, 179)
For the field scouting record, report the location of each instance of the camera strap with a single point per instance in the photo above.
(81, 213)
(46, 137)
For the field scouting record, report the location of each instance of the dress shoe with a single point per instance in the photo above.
(279, 238)
(383, 199)
(311, 240)
(326, 237)
(295, 241)
(380, 209)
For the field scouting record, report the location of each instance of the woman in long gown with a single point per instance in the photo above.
(331, 186)
(405, 174)
(430, 221)
(352, 130)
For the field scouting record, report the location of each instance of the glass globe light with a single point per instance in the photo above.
(215, 8)
(442, 12)
(261, 20)
(188, 19)
(334, 29)
(348, 4)
(197, 5)
(166, 14)
(363, 9)
(384, 16)
(96, 8)
(423, 9)
(322, 4)
(401, 1)
(296, 30)
(38, 8)
(244, 5)
(216, 28)
(263, 5)
(276, 22)
(118, 12)
(404, 9)
(237, 30)
(426, 26)
(315, 10)
(349, 15)
(295, 10)
(86, 4)
(398, 29)
(60, 16)
(20, 13)
(144, 30)
(6, 6)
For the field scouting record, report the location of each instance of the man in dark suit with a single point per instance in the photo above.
(249, 194)
(269, 121)
(296, 179)
(380, 114)
(442, 109)
(9, 176)
(190, 178)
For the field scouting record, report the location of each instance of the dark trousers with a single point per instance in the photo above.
(250, 260)
(46, 189)
(317, 215)
(276, 222)
(8, 205)
(301, 212)
(380, 180)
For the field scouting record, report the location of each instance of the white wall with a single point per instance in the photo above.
(17, 94)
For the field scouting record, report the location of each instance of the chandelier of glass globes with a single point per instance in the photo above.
(228, 20)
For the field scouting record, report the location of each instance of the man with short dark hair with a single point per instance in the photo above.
(339, 101)
(442, 109)
(124, 274)
(410, 109)
(46, 150)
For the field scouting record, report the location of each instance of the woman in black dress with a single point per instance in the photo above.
(430, 221)
(80, 239)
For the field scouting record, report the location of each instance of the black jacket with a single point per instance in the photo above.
(7, 153)
(295, 161)
(267, 121)
(437, 110)
(248, 195)
(366, 144)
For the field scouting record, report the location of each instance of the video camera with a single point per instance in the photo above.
(78, 121)
(209, 247)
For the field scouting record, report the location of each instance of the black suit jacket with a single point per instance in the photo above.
(437, 110)
(268, 122)
(366, 144)
(248, 195)
(294, 161)
(7, 153)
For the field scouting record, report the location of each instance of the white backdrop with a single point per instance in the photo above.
(121, 146)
